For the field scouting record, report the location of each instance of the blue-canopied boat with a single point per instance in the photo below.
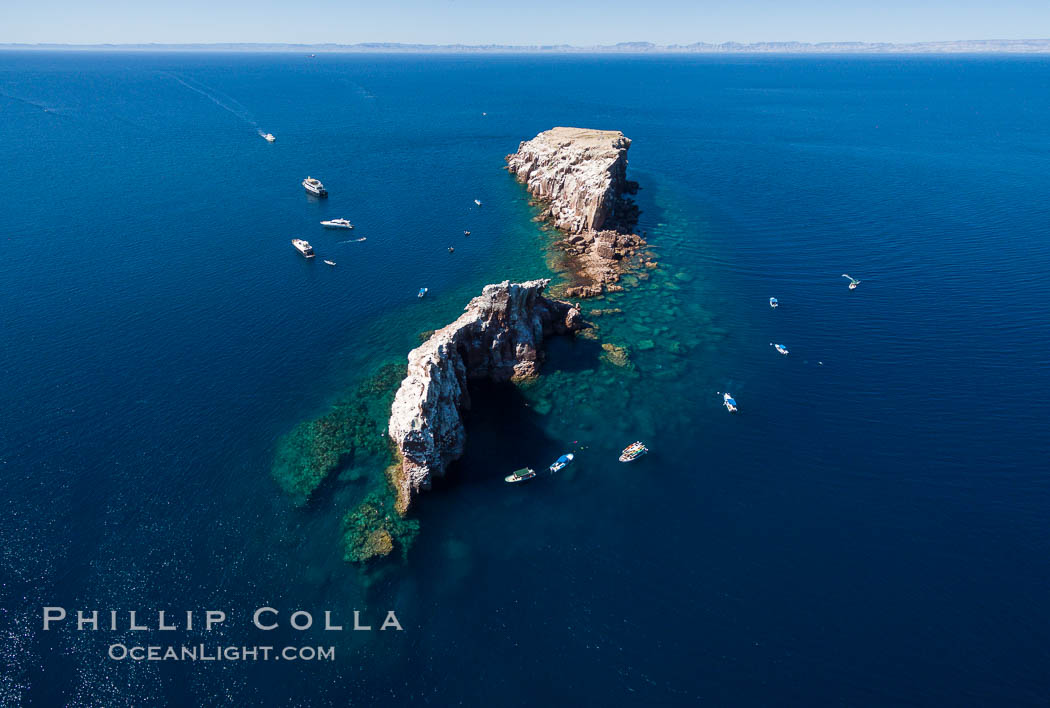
(561, 463)
(729, 402)
(773, 302)
(781, 349)
(422, 292)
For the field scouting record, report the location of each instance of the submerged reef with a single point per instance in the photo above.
(497, 337)
(316, 449)
(580, 175)
(375, 528)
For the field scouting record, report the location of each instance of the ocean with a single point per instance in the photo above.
(870, 529)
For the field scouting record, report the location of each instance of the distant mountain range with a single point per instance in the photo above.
(974, 46)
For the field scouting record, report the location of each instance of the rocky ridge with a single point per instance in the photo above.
(581, 177)
(497, 337)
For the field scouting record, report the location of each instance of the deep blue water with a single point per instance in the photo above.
(871, 529)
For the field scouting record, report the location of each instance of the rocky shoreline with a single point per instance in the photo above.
(498, 337)
(580, 176)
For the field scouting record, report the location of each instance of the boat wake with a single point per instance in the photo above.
(222, 101)
(25, 101)
(353, 240)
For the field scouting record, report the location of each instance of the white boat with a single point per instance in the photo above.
(522, 475)
(422, 292)
(781, 349)
(853, 282)
(331, 263)
(337, 224)
(633, 451)
(303, 247)
(773, 302)
(314, 187)
(729, 403)
(478, 202)
(269, 137)
(561, 462)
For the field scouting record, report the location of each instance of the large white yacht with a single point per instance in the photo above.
(303, 247)
(337, 224)
(314, 187)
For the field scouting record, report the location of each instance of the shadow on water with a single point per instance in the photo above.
(503, 434)
(571, 354)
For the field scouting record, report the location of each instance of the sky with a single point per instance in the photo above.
(578, 22)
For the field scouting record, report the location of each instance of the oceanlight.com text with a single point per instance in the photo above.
(203, 652)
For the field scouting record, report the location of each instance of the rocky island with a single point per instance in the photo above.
(497, 337)
(580, 176)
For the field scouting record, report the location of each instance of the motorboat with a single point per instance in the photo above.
(781, 349)
(422, 292)
(478, 202)
(313, 186)
(633, 451)
(337, 224)
(269, 138)
(853, 282)
(773, 302)
(331, 263)
(729, 402)
(561, 463)
(466, 233)
(303, 247)
(451, 249)
(522, 475)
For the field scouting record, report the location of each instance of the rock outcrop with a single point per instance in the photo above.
(497, 337)
(581, 176)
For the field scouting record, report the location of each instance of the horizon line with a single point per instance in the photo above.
(1004, 46)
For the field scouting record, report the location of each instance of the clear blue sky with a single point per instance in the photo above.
(580, 22)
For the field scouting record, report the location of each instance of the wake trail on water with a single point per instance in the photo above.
(354, 240)
(219, 99)
(27, 102)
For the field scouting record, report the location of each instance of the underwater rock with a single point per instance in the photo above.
(581, 175)
(375, 528)
(542, 406)
(314, 449)
(616, 355)
(497, 337)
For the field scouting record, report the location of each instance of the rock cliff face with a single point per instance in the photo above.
(498, 337)
(582, 173)
(582, 177)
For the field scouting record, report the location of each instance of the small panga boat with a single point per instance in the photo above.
(331, 263)
(781, 349)
(561, 462)
(522, 475)
(633, 451)
(478, 202)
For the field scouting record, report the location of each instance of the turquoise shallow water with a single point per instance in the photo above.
(869, 529)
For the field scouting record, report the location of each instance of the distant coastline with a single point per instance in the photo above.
(977, 46)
